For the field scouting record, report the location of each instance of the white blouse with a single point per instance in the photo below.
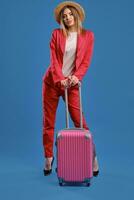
(69, 55)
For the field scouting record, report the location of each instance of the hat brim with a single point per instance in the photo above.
(77, 6)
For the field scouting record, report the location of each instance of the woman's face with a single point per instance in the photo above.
(68, 17)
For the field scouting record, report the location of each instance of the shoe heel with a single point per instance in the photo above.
(48, 172)
(96, 173)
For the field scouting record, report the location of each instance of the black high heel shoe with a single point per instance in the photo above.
(96, 173)
(48, 171)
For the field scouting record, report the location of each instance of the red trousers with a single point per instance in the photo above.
(50, 99)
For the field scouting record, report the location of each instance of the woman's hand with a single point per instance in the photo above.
(73, 80)
(64, 82)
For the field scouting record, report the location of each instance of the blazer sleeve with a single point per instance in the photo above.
(81, 71)
(55, 68)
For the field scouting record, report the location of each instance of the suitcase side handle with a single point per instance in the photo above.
(66, 104)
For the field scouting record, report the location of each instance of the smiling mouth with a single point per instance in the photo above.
(69, 21)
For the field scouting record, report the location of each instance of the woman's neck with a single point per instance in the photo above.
(72, 29)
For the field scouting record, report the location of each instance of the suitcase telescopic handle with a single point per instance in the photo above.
(66, 104)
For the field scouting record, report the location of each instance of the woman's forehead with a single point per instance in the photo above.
(66, 11)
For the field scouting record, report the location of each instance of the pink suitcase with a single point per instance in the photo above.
(74, 152)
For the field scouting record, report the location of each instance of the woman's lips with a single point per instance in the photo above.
(69, 21)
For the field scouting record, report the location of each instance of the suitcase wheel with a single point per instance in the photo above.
(88, 184)
(61, 184)
(61, 181)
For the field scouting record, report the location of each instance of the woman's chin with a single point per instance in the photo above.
(70, 25)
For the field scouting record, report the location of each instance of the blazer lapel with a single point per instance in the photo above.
(78, 49)
(62, 43)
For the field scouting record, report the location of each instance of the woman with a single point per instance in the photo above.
(71, 49)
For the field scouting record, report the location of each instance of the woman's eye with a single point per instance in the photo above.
(64, 17)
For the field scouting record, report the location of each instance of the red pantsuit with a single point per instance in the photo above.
(52, 89)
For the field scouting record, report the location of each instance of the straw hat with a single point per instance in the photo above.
(77, 6)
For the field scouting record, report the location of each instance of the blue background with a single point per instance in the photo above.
(107, 91)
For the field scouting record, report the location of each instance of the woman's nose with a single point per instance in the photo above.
(68, 17)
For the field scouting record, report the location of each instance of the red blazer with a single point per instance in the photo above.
(84, 49)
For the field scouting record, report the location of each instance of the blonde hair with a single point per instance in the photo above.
(77, 20)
